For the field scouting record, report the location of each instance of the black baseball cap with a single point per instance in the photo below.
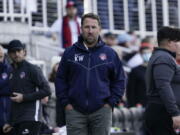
(15, 45)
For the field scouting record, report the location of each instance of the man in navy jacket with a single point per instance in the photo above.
(90, 81)
(4, 91)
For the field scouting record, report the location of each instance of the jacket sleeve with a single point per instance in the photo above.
(41, 83)
(4, 83)
(163, 74)
(117, 82)
(61, 82)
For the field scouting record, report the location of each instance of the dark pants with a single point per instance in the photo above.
(97, 123)
(158, 121)
(60, 115)
(27, 128)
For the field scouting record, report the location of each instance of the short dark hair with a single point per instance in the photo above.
(168, 33)
(92, 16)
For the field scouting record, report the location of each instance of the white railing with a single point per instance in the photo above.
(142, 16)
(9, 12)
(25, 9)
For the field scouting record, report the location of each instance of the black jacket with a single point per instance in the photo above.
(163, 81)
(136, 88)
(28, 80)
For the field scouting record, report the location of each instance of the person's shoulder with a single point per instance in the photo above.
(32, 67)
(163, 57)
(69, 51)
(109, 50)
(105, 46)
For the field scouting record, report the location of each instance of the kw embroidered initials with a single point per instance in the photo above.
(78, 57)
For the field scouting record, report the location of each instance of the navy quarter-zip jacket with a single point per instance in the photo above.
(89, 78)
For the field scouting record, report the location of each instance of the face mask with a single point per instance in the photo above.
(146, 56)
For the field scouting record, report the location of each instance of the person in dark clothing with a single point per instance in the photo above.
(90, 81)
(162, 114)
(136, 87)
(28, 86)
(4, 91)
(60, 114)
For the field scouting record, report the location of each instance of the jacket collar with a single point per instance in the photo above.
(165, 50)
(80, 43)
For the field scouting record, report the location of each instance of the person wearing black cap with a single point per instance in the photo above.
(28, 86)
(68, 28)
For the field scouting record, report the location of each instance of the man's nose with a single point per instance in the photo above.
(90, 30)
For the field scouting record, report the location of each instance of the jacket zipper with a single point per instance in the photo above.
(87, 83)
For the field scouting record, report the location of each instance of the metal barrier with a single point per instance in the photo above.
(128, 119)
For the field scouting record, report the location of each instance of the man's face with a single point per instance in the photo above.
(71, 11)
(1, 56)
(17, 55)
(90, 31)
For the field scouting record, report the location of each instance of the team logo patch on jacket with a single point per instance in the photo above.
(4, 76)
(22, 75)
(103, 56)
